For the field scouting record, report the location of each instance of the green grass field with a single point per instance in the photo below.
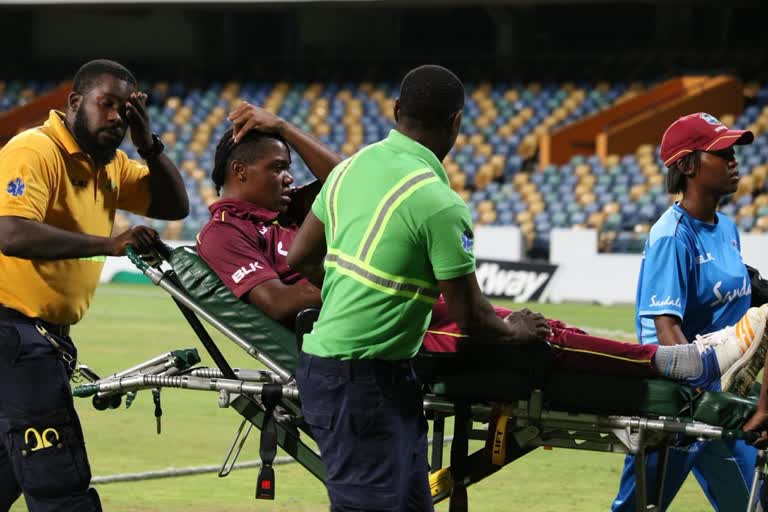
(128, 324)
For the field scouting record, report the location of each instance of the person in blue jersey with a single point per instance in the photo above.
(694, 287)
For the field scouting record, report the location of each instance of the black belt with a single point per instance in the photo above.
(16, 316)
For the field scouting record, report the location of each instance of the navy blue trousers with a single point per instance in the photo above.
(368, 420)
(42, 452)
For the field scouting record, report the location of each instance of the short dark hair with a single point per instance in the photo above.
(247, 150)
(430, 95)
(677, 181)
(89, 73)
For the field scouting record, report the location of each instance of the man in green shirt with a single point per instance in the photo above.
(391, 236)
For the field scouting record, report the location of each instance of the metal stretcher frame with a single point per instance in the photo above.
(512, 431)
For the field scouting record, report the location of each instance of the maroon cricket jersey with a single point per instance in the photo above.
(246, 245)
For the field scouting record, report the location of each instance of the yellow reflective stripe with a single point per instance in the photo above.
(332, 201)
(451, 334)
(600, 354)
(381, 281)
(98, 259)
(371, 284)
(388, 204)
(420, 283)
(331, 198)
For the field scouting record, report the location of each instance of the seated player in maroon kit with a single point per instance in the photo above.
(253, 225)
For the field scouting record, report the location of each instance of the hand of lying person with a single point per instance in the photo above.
(758, 423)
(528, 326)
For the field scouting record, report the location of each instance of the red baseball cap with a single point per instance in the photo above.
(700, 131)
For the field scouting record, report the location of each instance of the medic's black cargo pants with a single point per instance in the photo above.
(42, 452)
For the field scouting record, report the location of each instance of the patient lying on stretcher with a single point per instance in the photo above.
(252, 227)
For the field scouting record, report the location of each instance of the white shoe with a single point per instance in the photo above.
(740, 350)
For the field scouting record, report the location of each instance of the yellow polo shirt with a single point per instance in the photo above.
(46, 177)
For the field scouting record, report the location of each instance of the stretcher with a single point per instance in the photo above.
(511, 398)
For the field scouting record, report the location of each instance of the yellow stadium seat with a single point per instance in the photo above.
(524, 217)
(751, 89)
(458, 181)
(528, 146)
(484, 149)
(746, 210)
(485, 206)
(581, 189)
(488, 217)
(728, 119)
(760, 175)
(644, 150)
(612, 160)
(588, 181)
(528, 189)
(476, 139)
(520, 179)
(761, 200)
(536, 207)
(587, 198)
(511, 95)
(168, 138)
(596, 220)
(642, 228)
(582, 170)
(637, 191)
(745, 187)
(762, 224)
(611, 208)
(483, 177)
(174, 102)
(645, 160)
(655, 180)
(605, 241)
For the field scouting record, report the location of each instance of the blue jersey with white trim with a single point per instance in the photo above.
(692, 270)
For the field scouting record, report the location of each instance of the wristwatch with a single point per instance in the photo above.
(155, 149)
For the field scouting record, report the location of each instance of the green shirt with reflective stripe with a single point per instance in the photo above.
(393, 227)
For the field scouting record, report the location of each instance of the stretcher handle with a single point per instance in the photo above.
(159, 247)
(135, 258)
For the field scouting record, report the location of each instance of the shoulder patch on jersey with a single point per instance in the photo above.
(16, 187)
(467, 241)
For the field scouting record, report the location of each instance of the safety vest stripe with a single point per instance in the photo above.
(332, 198)
(407, 186)
(378, 287)
(418, 283)
(378, 282)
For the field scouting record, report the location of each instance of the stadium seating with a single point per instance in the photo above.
(15, 93)
(491, 166)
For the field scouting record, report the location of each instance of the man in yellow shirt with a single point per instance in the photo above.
(60, 185)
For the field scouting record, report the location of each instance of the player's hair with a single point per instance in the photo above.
(88, 74)
(247, 150)
(677, 180)
(430, 95)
